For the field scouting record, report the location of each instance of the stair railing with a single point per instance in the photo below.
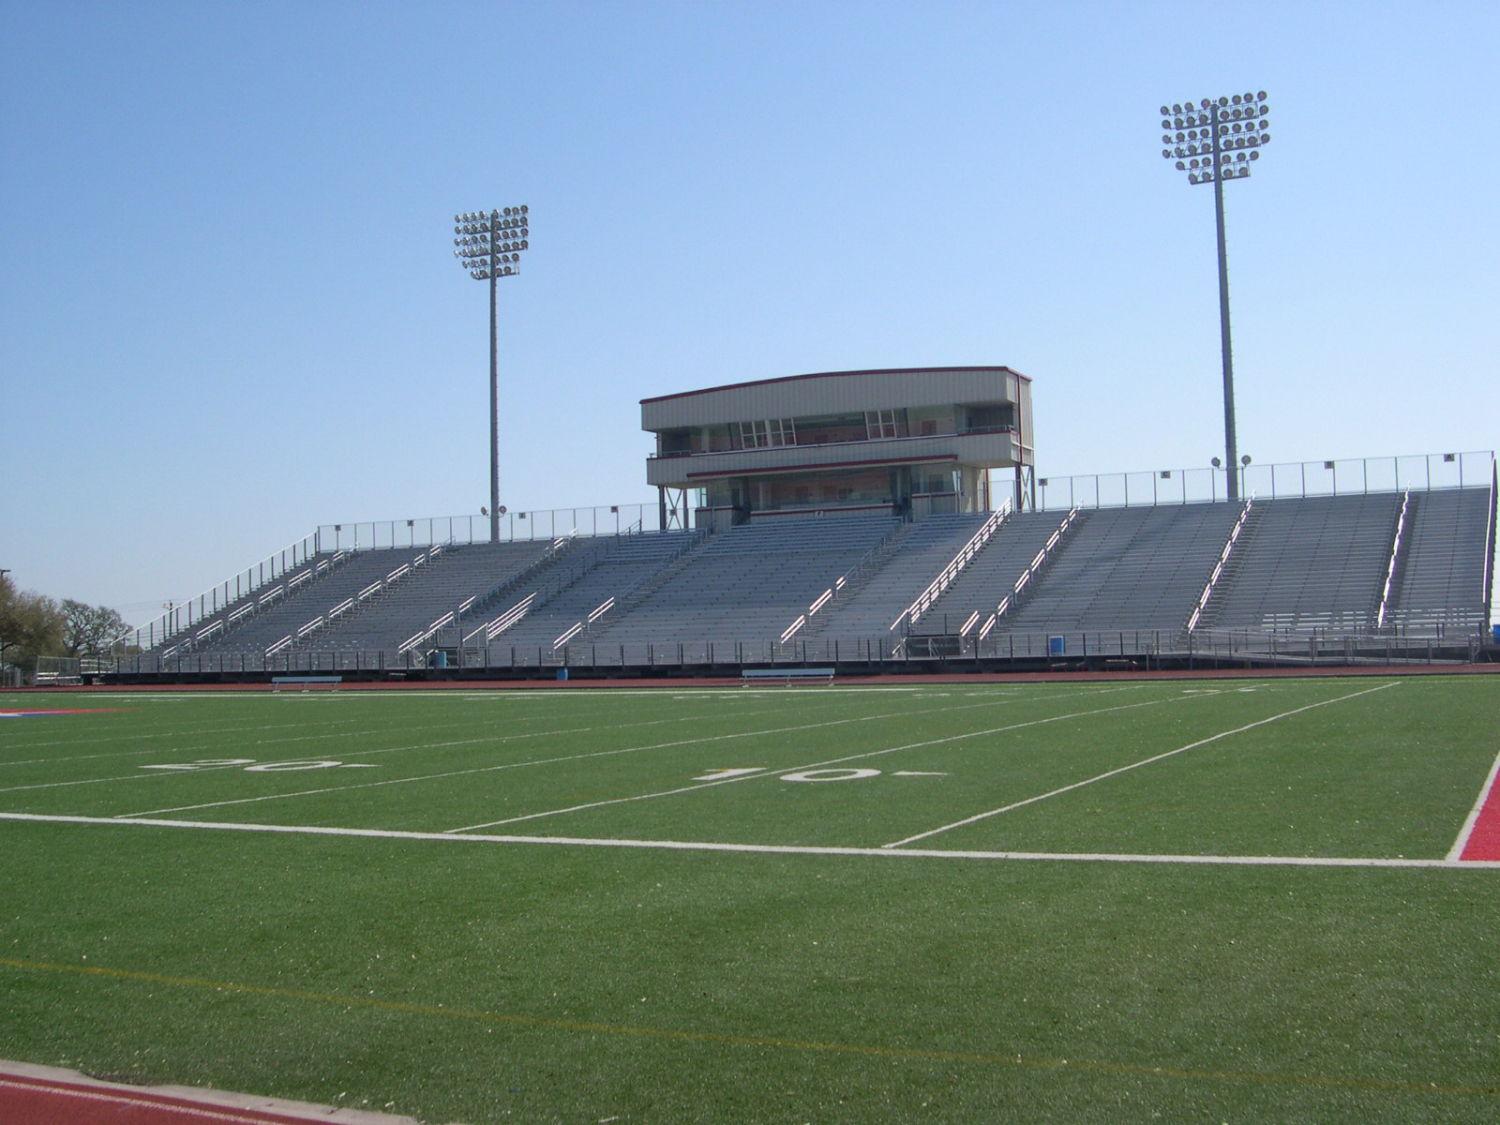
(1390, 566)
(951, 571)
(422, 636)
(181, 617)
(1038, 560)
(1218, 570)
(307, 628)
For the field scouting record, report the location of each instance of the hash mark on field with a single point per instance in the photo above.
(1132, 766)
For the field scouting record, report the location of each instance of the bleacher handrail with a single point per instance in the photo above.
(444, 620)
(955, 566)
(1487, 581)
(493, 628)
(1390, 566)
(1038, 560)
(1219, 565)
(376, 587)
(179, 616)
(525, 575)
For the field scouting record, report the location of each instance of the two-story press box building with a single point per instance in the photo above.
(908, 441)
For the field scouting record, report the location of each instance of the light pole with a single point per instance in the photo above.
(489, 245)
(1214, 141)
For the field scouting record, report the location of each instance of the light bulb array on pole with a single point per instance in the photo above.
(488, 244)
(1213, 141)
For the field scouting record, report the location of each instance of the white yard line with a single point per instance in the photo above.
(487, 739)
(1132, 766)
(699, 740)
(1473, 818)
(764, 849)
(817, 765)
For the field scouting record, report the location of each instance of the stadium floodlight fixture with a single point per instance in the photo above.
(489, 244)
(1215, 140)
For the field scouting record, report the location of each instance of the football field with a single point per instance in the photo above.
(1094, 900)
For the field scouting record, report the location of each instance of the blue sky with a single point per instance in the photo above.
(229, 310)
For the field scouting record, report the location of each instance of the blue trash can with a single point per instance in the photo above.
(562, 673)
(1497, 633)
(1057, 646)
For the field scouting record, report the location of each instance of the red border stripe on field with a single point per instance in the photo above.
(1480, 838)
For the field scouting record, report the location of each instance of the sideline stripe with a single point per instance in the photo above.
(1486, 808)
(1132, 766)
(757, 849)
(730, 1039)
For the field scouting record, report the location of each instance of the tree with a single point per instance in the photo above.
(88, 629)
(31, 625)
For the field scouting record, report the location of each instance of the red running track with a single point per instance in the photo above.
(46, 1096)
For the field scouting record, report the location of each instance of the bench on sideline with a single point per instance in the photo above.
(330, 682)
(785, 675)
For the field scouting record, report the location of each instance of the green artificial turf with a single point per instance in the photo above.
(477, 981)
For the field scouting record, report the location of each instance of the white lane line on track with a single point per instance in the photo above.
(1133, 766)
(827, 762)
(762, 849)
(1473, 818)
(700, 740)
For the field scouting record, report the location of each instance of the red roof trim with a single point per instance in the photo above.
(834, 374)
(829, 465)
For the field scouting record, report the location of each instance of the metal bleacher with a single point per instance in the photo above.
(1440, 574)
(924, 549)
(1392, 566)
(751, 582)
(620, 570)
(459, 575)
(990, 576)
(255, 632)
(1309, 564)
(1133, 568)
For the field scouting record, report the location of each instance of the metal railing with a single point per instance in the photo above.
(183, 616)
(1028, 575)
(546, 523)
(858, 570)
(1223, 561)
(1139, 648)
(1420, 472)
(953, 569)
(307, 628)
(1390, 566)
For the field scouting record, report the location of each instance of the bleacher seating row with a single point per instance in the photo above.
(1327, 565)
